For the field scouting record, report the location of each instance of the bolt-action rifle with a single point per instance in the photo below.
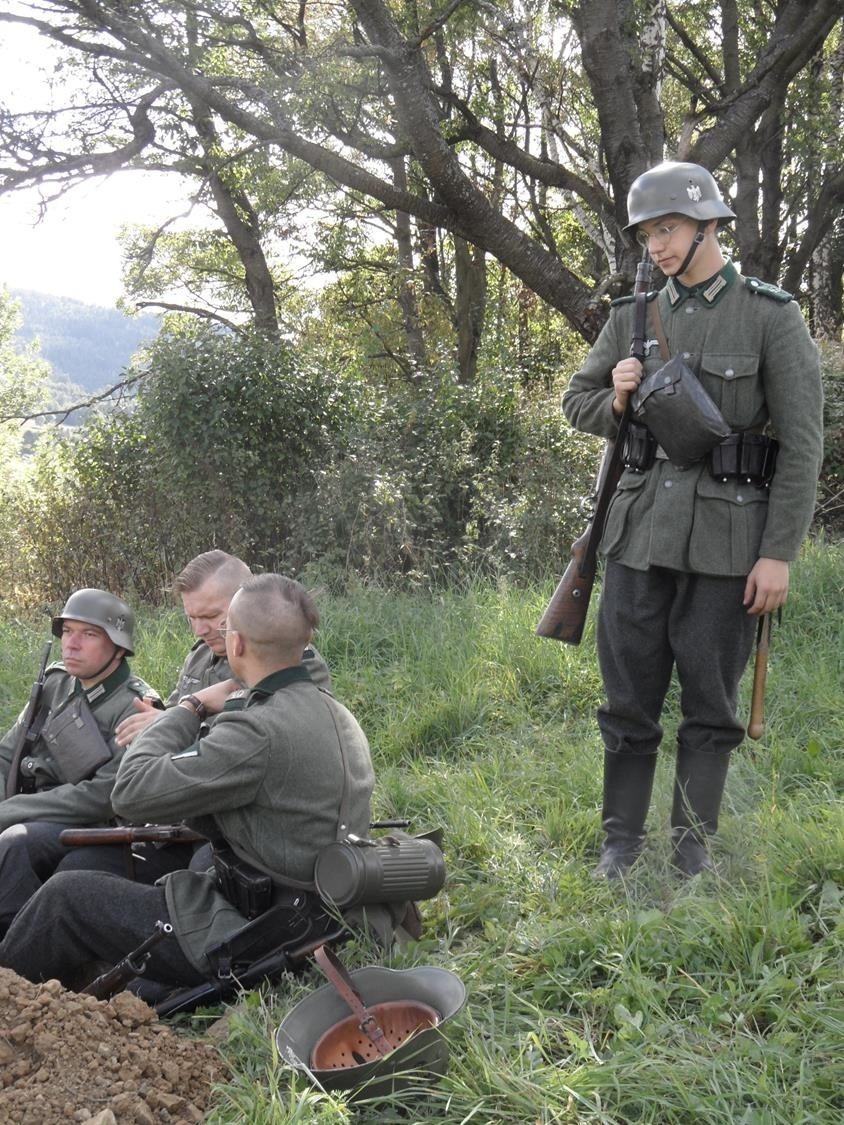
(157, 834)
(133, 965)
(26, 729)
(130, 834)
(565, 616)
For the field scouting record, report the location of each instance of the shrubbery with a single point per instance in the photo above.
(246, 445)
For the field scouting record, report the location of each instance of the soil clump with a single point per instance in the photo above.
(68, 1058)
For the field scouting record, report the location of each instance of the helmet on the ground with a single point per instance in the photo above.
(99, 607)
(320, 1038)
(675, 188)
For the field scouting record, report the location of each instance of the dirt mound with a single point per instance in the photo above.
(70, 1058)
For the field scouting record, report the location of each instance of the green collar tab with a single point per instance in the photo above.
(278, 680)
(105, 687)
(710, 291)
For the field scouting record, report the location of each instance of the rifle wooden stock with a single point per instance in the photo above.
(130, 834)
(565, 616)
(756, 725)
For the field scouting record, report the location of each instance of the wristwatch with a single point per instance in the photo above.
(196, 705)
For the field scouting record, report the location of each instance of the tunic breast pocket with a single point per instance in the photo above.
(734, 384)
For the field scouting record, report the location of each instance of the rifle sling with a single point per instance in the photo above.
(660, 333)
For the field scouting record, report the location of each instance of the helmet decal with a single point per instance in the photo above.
(694, 193)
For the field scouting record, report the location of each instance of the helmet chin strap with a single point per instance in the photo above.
(117, 649)
(696, 241)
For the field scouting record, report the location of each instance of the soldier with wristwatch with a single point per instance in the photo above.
(283, 771)
(205, 586)
(696, 549)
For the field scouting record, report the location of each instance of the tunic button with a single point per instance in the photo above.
(669, 483)
(739, 498)
(729, 373)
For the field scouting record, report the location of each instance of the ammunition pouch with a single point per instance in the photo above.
(75, 742)
(747, 457)
(639, 450)
(679, 413)
(249, 890)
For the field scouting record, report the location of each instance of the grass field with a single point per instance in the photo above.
(719, 999)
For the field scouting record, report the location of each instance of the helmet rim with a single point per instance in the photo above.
(118, 626)
(676, 188)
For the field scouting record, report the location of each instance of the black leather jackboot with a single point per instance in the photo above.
(628, 781)
(698, 789)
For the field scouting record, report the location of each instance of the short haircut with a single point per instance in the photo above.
(228, 572)
(275, 613)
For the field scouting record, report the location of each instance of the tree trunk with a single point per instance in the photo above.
(407, 294)
(826, 270)
(470, 305)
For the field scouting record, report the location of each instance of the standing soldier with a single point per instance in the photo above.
(695, 553)
(67, 774)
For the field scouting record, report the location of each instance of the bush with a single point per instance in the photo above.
(452, 480)
(221, 446)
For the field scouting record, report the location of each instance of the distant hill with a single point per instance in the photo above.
(85, 344)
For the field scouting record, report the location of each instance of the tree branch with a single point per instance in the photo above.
(63, 414)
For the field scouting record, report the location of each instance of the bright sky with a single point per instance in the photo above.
(73, 250)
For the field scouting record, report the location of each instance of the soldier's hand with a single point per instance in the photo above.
(767, 586)
(215, 696)
(128, 729)
(626, 377)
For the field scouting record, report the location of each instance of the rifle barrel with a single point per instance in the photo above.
(132, 965)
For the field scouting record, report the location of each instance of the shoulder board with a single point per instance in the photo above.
(765, 289)
(56, 666)
(140, 687)
(198, 643)
(630, 297)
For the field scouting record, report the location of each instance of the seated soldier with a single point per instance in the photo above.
(284, 771)
(67, 772)
(205, 586)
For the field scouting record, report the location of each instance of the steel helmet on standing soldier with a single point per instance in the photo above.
(676, 188)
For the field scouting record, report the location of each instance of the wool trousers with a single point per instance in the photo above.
(81, 919)
(653, 621)
(30, 853)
